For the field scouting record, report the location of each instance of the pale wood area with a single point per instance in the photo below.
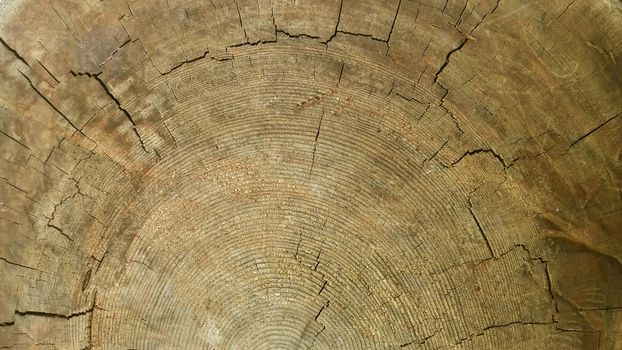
(356, 174)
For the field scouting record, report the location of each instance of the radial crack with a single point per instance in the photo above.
(50, 103)
(117, 103)
(317, 135)
(14, 139)
(593, 130)
(479, 227)
(18, 265)
(448, 57)
(397, 11)
(336, 24)
(14, 52)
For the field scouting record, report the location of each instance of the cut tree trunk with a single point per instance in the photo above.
(356, 174)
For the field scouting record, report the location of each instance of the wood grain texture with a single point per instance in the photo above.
(328, 174)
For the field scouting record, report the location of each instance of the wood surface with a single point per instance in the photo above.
(356, 174)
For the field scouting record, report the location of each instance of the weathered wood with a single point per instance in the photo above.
(254, 174)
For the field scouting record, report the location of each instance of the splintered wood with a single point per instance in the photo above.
(356, 174)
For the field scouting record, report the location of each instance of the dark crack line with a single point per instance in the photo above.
(237, 7)
(49, 223)
(14, 52)
(48, 71)
(594, 130)
(298, 246)
(484, 330)
(435, 153)
(484, 17)
(296, 36)
(321, 310)
(315, 337)
(54, 315)
(317, 260)
(171, 134)
(397, 11)
(479, 227)
(323, 286)
(315, 142)
(17, 264)
(323, 326)
(421, 342)
(101, 65)
(363, 35)
(336, 24)
(448, 57)
(481, 150)
(116, 102)
(561, 14)
(461, 14)
(14, 139)
(60, 230)
(547, 272)
(549, 283)
(50, 103)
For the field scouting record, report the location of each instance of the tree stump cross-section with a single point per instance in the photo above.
(311, 174)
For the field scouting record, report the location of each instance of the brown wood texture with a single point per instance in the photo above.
(356, 174)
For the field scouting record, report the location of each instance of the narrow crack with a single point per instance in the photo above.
(72, 196)
(315, 142)
(14, 52)
(18, 265)
(317, 260)
(562, 13)
(323, 326)
(593, 130)
(297, 36)
(321, 310)
(48, 71)
(397, 11)
(343, 65)
(466, 4)
(54, 315)
(421, 342)
(484, 17)
(336, 24)
(323, 286)
(435, 153)
(14, 139)
(114, 52)
(484, 330)
(116, 102)
(237, 7)
(482, 150)
(549, 279)
(448, 57)
(479, 227)
(50, 103)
